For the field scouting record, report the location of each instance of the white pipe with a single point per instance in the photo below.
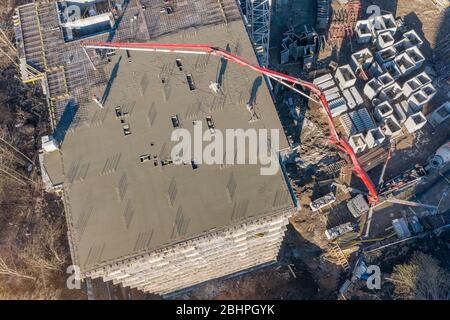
(145, 49)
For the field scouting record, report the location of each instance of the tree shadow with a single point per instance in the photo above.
(68, 116)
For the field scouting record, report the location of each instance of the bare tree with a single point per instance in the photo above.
(422, 278)
(43, 253)
(10, 270)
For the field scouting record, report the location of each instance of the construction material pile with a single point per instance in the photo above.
(376, 96)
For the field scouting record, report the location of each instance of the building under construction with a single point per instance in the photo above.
(133, 216)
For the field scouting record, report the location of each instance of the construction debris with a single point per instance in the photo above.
(323, 202)
(303, 47)
(339, 230)
(358, 206)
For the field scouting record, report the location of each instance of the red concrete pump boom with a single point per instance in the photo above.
(284, 79)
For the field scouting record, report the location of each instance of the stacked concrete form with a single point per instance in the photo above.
(304, 47)
(345, 77)
(440, 115)
(415, 122)
(358, 143)
(374, 138)
(387, 71)
(372, 28)
(399, 56)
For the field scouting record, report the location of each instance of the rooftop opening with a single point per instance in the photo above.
(362, 58)
(210, 123)
(429, 90)
(175, 121)
(179, 64)
(194, 165)
(415, 55)
(404, 63)
(167, 10)
(145, 157)
(118, 112)
(385, 39)
(357, 140)
(358, 143)
(126, 130)
(393, 91)
(190, 82)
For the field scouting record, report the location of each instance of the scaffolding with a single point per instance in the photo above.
(28, 73)
(257, 17)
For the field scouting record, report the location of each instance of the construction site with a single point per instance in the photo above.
(358, 90)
